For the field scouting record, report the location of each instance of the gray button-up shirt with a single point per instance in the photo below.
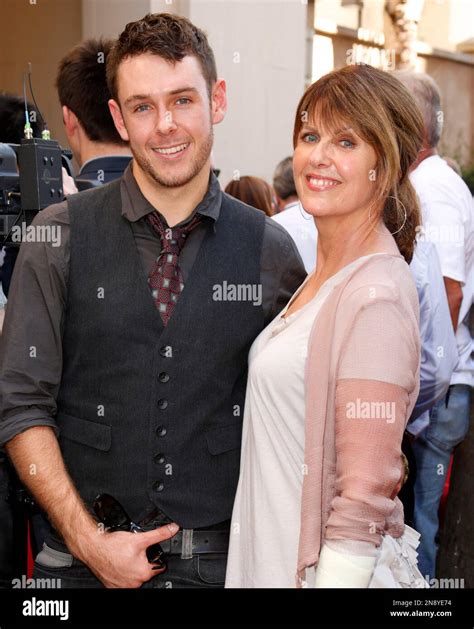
(31, 344)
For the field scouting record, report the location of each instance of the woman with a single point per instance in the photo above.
(333, 379)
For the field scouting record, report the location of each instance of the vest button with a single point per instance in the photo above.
(158, 485)
(166, 351)
(159, 458)
(161, 431)
(162, 404)
(163, 377)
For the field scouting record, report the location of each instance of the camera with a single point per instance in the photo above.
(30, 180)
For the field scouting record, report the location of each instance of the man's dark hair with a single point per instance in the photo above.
(82, 86)
(283, 181)
(171, 37)
(12, 119)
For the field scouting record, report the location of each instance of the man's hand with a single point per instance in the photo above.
(119, 559)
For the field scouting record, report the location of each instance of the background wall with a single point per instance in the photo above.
(263, 50)
(260, 49)
(41, 33)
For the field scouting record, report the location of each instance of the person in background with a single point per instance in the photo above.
(98, 149)
(82, 89)
(298, 223)
(253, 191)
(284, 185)
(439, 355)
(454, 164)
(448, 222)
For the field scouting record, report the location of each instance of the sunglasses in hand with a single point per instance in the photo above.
(114, 517)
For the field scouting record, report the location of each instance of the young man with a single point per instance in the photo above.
(130, 340)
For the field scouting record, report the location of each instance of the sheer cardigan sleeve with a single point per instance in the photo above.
(377, 382)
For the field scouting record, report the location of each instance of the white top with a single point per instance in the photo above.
(266, 516)
(439, 351)
(448, 222)
(301, 227)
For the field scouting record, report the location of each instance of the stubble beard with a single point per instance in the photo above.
(177, 180)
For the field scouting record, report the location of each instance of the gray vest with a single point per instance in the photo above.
(147, 413)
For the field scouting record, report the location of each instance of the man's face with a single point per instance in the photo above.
(166, 115)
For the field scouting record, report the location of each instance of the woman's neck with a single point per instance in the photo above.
(339, 244)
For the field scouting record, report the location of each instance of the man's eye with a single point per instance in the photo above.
(141, 108)
(183, 101)
(309, 137)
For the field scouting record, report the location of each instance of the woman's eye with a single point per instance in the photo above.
(309, 137)
(347, 144)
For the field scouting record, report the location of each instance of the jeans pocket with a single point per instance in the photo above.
(449, 425)
(211, 569)
(75, 576)
(51, 558)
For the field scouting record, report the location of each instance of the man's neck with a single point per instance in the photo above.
(92, 150)
(289, 201)
(426, 151)
(175, 204)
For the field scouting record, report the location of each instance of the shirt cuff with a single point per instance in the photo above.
(13, 426)
(341, 570)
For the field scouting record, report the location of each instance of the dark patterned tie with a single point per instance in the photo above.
(165, 279)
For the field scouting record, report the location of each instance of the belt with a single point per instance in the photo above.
(189, 542)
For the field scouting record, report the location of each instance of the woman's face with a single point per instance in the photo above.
(334, 171)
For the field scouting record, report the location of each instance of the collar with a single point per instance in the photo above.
(105, 162)
(135, 206)
(290, 205)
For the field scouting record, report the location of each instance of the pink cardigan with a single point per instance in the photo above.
(361, 381)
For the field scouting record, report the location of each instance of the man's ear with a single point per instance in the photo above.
(116, 114)
(70, 121)
(219, 101)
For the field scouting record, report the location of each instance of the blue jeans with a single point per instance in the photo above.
(201, 571)
(449, 424)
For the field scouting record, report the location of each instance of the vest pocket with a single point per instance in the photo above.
(224, 438)
(83, 431)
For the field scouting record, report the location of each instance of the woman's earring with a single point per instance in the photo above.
(404, 218)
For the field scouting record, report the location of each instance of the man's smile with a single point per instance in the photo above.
(171, 150)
